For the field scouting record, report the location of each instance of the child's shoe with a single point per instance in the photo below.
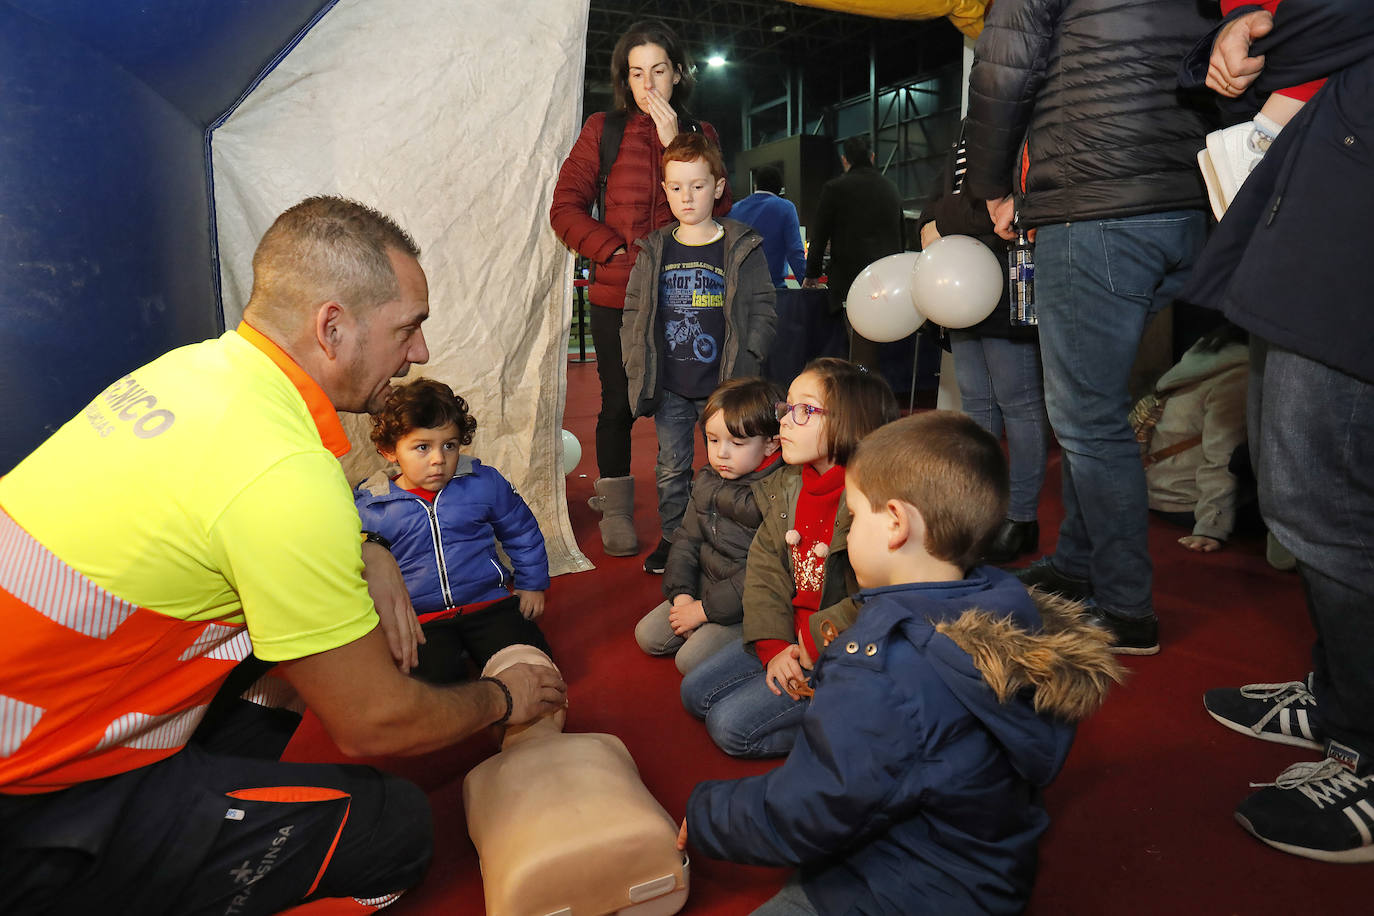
(1232, 154)
(657, 561)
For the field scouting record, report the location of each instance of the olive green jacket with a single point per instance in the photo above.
(769, 586)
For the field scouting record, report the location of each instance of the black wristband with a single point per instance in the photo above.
(375, 538)
(510, 701)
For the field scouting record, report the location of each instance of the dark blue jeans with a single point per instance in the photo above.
(1001, 386)
(1098, 283)
(1315, 444)
(675, 424)
(743, 717)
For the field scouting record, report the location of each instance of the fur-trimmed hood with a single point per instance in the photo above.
(1066, 664)
(1026, 665)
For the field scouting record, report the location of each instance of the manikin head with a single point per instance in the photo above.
(551, 724)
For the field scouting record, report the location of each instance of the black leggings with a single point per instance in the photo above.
(614, 421)
(477, 636)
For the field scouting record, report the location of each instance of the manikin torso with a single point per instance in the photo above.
(564, 825)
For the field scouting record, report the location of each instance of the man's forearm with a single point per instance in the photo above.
(369, 708)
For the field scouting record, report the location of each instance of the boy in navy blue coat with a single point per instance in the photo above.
(938, 716)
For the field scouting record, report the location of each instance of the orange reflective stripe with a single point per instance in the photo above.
(288, 794)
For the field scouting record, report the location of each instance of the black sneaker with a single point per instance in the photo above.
(1285, 713)
(1013, 539)
(1130, 635)
(1043, 575)
(658, 560)
(1318, 810)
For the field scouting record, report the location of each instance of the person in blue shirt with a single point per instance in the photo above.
(776, 220)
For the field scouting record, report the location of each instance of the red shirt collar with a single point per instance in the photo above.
(321, 408)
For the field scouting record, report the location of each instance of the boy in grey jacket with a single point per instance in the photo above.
(698, 311)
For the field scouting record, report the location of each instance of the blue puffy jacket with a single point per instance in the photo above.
(447, 549)
(912, 787)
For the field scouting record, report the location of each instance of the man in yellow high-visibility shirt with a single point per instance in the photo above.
(210, 519)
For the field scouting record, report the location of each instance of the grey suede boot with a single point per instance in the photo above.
(615, 500)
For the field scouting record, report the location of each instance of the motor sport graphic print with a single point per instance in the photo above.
(691, 299)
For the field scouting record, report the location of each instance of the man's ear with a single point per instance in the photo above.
(329, 327)
(771, 445)
(720, 187)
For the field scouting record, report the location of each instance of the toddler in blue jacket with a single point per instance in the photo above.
(938, 715)
(442, 517)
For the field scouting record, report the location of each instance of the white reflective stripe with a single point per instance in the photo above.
(379, 902)
(17, 719)
(1359, 823)
(225, 644)
(151, 733)
(274, 693)
(31, 573)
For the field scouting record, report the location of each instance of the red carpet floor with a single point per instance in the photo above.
(1141, 813)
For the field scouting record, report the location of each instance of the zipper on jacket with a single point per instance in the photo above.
(432, 510)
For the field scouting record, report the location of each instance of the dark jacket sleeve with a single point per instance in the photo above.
(682, 572)
(796, 248)
(768, 586)
(635, 324)
(1008, 72)
(1312, 39)
(759, 298)
(957, 214)
(574, 194)
(518, 532)
(821, 231)
(835, 788)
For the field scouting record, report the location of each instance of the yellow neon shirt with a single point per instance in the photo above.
(199, 487)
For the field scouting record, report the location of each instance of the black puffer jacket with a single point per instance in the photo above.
(711, 545)
(1091, 87)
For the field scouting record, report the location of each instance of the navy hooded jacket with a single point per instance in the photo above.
(912, 788)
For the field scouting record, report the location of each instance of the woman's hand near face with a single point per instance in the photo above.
(664, 115)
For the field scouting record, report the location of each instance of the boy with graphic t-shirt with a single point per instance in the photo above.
(698, 311)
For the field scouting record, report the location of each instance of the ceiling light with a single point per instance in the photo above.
(715, 60)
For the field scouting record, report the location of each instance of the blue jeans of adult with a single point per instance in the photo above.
(1003, 390)
(675, 423)
(1315, 440)
(1098, 284)
(743, 717)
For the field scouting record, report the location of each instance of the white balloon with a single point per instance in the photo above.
(958, 281)
(880, 304)
(572, 452)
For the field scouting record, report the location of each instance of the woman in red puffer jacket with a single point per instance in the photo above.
(652, 77)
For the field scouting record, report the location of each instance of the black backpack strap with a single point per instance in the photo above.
(612, 132)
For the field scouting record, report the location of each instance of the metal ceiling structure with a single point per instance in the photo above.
(756, 34)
